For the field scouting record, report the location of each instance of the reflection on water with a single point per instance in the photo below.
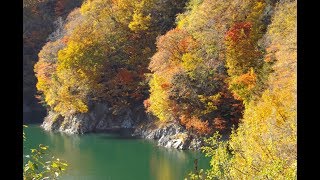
(167, 164)
(114, 157)
(161, 168)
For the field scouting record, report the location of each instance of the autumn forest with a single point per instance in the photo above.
(223, 70)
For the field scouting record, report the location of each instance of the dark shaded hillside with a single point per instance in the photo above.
(38, 24)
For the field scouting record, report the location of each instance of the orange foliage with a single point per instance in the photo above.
(134, 37)
(249, 79)
(44, 70)
(187, 43)
(270, 56)
(40, 99)
(175, 108)
(171, 47)
(165, 86)
(193, 123)
(239, 31)
(35, 10)
(65, 39)
(170, 41)
(219, 123)
(147, 104)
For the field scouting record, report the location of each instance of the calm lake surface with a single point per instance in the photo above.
(114, 157)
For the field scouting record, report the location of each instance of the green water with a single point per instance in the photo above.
(114, 157)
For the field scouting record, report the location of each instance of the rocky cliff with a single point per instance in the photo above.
(100, 118)
(170, 135)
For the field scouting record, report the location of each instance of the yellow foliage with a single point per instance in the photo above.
(283, 47)
(99, 38)
(265, 144)
(243, 86)
(210, 102)
(139, 22)
(159, 100)
(190, 62)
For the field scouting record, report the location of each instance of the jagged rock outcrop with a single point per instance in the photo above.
(99, 118)
(170, 135)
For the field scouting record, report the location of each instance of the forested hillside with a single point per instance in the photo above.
(102, 53)
(210, 65)
(264, 146)
(226, 66)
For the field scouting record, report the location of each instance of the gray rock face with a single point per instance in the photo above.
(170, 135)
(99, 118)
(52, 122)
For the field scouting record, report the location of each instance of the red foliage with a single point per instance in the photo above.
(124, 76)
(136, 95)
(236, 112)
(239, 31)
(219, 123)
(230, 111)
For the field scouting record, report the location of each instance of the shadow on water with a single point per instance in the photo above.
(116, 134)
(34, 117)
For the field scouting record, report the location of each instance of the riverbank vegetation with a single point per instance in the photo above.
(264, 144)
(208, 66)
